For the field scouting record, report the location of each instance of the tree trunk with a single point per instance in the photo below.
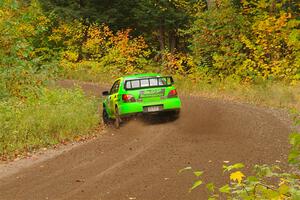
(81, 3)
(172, 41)
(84, 39)
(161, 37)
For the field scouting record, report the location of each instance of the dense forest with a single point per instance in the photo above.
(243, 40)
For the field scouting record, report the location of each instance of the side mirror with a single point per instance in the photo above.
(105, 93)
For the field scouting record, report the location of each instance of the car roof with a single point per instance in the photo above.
(136, 76)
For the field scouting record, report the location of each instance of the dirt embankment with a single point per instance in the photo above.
(141, 160)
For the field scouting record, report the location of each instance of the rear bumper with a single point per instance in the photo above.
(137, 107)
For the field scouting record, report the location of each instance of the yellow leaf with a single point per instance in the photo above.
(282, 181)
(237, 176)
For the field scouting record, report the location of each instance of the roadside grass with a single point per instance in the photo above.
(265, 93)
(58, 115)
(88, 71)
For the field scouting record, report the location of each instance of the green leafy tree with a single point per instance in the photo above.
(162, 20)
(26, 60)
(216, 39)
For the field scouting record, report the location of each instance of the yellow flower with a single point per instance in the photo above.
(237, 176)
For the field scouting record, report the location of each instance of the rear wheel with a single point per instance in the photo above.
(118, 119)
(105, 117)
(175, 114)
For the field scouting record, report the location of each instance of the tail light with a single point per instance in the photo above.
(128, 98)
(172, 93)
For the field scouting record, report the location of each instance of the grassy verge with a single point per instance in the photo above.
(87, 71)
(266, 93)
(58, 115)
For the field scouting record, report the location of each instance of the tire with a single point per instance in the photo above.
(105, 117)
(118, 119)
(175, 114)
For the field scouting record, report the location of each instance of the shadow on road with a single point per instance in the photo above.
(151, 119)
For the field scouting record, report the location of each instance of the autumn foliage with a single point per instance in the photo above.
(79, 42)
(258, 39)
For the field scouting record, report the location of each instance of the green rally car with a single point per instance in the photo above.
(140, 94)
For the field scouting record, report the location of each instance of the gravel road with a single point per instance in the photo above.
(141, 160)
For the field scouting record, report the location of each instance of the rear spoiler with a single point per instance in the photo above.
(148, 82)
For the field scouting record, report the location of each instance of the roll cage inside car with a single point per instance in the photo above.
(148, 82)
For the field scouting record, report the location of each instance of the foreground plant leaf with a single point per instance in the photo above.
(198, 173)
(195, 185)
(231, 167)
(184, 169)
(225, 189)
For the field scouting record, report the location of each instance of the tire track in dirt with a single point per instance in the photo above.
(142, 159)
(147, 142)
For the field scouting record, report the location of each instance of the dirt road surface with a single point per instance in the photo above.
(141, 160)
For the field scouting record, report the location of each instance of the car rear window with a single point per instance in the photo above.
(148, 82)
